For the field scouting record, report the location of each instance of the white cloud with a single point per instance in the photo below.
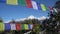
(8, 21)
(30, 17)
(41, 18)
(21, 19)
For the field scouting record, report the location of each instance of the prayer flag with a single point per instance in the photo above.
(13, 26)
(7, 26)
(12, 2)
(22, 27)
(30, 26)
(34, 5)
(18, 26)
(1, 26)
(50, 8)
(39, 7)
(22, 2)
(26, 26)
(28, 3)
(43, 7)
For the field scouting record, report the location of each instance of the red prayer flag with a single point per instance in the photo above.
(28, 3)
(18, 27)
(51, 9)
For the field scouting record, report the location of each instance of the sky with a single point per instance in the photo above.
(8, 12)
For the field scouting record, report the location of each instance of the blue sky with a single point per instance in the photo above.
(7, 12)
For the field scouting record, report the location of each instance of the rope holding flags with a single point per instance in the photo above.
(17, 26)
(29, 4)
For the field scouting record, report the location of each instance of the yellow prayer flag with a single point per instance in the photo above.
(1, 26)
(12, 2)
(26, 26)
(43, 7)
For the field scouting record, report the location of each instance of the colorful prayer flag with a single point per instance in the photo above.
(7, 26)
(34, 5)
(43, 7)
(39, 7)
(30, 26)
(1, 26)
(22, 2)
(28, 3)
(26, 26)
(13, 26)
(22, 27)
(18, 26)
(12, 2)
(47, 9)
(50, 8)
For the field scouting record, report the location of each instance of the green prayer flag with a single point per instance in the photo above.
(22, 2)
(22, 26)
(47, 8)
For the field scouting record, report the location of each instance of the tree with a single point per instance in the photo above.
(58, 15)
(29, 21)
(1, 21)
(57, 4)
(54, 20)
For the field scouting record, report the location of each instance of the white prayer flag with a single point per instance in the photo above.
(13, 26)
(31, 26)
(34, 5)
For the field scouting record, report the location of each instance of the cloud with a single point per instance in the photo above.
(21, 19)
(39, 18)
(30, 17)
(8, 21)
(42, 18)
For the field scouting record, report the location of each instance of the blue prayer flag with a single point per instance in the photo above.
(39, 7)
(7, 26)
(29, 26)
